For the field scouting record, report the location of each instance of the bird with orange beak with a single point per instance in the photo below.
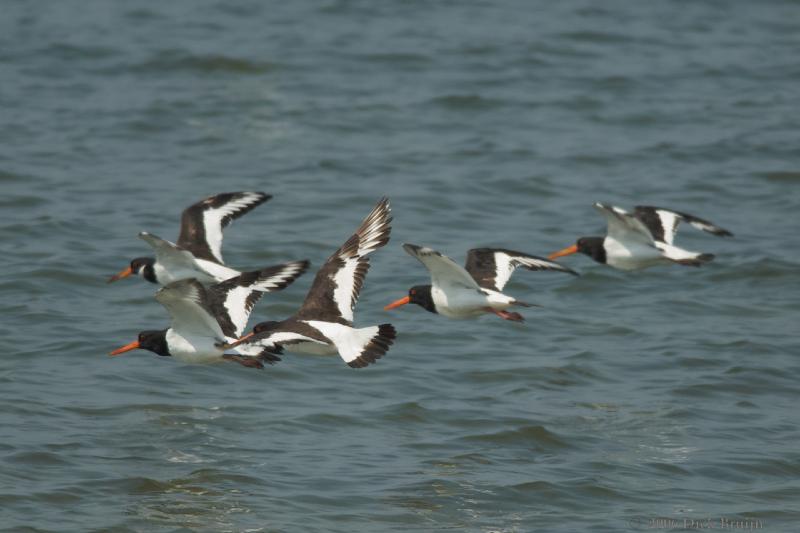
(324, 323)
(198, 252)
(465, 292)
(205, 319)
(642, 239)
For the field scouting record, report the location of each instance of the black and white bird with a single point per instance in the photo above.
(203, 318)
(466, 292)
(642, 239)
(198, 252)
(324, 323)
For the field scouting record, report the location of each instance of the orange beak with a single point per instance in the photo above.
(398, 303)
(566, 251)
(127, 348)
(124, 274)
(238, 341)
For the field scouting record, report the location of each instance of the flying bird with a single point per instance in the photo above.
(198, 252)
(642, 239)
(465, 292)
(324, 323)
(204, 318)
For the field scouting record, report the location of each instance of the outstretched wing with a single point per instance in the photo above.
(233, 300)
(624, 227)
(188, 305)
(271, 342)
(338, 282)
(492, 267)
(663, 223)
(203, 222)
(270, 354)
(444, 271)
(170, 255)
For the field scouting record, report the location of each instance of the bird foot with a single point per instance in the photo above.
(508, 315)
(268, 357)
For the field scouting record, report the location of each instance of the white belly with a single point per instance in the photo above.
(631, 256)
(467, 303)
(192, 348)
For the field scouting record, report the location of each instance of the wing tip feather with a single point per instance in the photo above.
(376, 348)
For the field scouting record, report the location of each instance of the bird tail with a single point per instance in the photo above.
(683, 257)
(696, 261)
(361, 347)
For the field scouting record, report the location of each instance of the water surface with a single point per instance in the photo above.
(628, 398)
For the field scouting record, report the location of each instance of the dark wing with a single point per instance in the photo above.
(492, 267)
(203, 222)
(273, 341)
(336, 287)
(267, 353)
(233, 300)
(663, 223)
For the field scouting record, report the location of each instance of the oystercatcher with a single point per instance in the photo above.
(457, 292)
(642, 239)
(205, 318)
(324, 323)
(198, 252)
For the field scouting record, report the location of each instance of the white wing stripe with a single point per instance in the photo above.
(669, 223)
(350, 342)
(234, 304)
(343, 293)
(503, 269)
(212, 221)
(279, 337)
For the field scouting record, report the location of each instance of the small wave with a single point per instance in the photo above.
(469, 102)
(762, 268)
(787, 176)
(37, 459)
(406, 59)
(537, 436)
(71, 52)
(170, 61)
(22, 201)
(406, 412)
(7, 176)
(597, 37)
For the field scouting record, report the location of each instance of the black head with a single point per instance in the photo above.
(155, 341)
(152, 340)
(418, 294)
(421, 295)
(593, 247)
(141, 266)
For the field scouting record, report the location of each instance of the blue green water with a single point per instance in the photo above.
(628, 402)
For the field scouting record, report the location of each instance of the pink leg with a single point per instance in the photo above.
(507, 315)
